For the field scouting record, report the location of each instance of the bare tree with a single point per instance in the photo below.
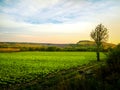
(99, 35)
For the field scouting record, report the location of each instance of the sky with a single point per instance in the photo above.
(57, 21)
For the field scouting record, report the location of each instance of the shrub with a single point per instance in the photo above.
(110, 73)
(51, 48)
(113, 58)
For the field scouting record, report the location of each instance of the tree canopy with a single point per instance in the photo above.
(99, 35)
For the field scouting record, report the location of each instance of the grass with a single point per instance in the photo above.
(22, 67)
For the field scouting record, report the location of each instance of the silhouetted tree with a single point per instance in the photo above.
(99, 35)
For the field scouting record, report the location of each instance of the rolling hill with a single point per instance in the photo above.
(92, 43)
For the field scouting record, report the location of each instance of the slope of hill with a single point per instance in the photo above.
(92, 43)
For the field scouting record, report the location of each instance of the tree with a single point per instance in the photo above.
(99, 35)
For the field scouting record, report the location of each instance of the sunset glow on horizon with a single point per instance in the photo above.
(57, 21)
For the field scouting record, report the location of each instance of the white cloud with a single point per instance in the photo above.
(6, 22)
(27, 7)
(59, 11)
(56, 18)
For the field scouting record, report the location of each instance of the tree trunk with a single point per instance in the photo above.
(98, 56)
(98, 53)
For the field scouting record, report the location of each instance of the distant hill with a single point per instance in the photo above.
(92, 43)
(86, 43)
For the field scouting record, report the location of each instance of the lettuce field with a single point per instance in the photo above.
(22, 67)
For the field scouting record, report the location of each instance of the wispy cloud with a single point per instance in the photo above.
(56, 17)
(55, 11)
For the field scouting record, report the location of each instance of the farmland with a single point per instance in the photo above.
(22, 67)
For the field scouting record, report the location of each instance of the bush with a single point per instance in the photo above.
(109, 74)
(113, 58)
(52, 48)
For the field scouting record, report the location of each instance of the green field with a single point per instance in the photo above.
(22, 67)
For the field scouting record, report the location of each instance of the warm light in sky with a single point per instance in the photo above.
(57, 21)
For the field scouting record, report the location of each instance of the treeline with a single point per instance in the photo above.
(17, 47)
(54, 48)
(43, 48)
(51, 48)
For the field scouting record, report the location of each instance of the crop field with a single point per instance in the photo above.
(17, 67)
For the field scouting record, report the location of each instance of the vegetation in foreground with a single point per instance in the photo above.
(104, 76)
(23, 67)
(85, 76)
(94, 76)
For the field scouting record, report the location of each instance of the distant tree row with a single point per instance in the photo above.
(55, 48)
(52, 48)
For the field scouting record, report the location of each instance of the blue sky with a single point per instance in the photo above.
(57, 21)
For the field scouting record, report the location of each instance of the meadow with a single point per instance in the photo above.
(22, 67)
